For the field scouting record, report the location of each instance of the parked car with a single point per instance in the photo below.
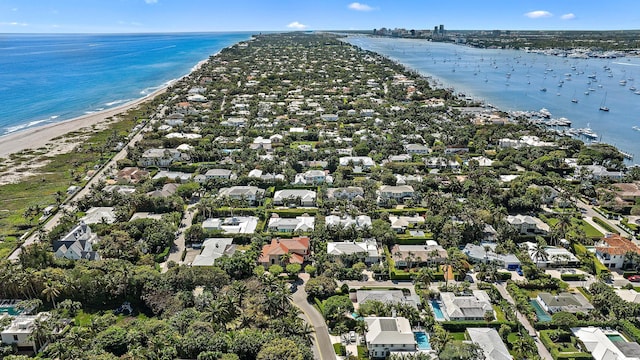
(634, 278)
(352, 336)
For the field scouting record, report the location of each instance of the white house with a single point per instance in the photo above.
(312, 177)
(417, 149)
(367, 250)
(490, 342)
(221, 174)
(232, 225)
(77, 244)
(284, 197)
(565, 301)
(19, 332)
(359, 222)
(473, 306)
(388, 334)
(98, 215)
(252, 194)
(599, 344)
(611, 250)
(553, 257)
(480, 254)
(363, 161)
(297, 224)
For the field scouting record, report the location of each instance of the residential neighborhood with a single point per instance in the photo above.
(318, 205)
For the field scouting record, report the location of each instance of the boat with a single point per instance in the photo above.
(543, 89)
(574, 99)
(603, 107)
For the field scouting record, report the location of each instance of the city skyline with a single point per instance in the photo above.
(140, 16)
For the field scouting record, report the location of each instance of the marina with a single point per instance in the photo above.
(594, 96)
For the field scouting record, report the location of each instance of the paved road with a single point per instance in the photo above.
(590, 213)
(99, 175)
(323, 349)
(542, 351)
(179, 244)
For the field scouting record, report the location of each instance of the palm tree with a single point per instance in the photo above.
(540, 252)
(52, 291)
(424, 277)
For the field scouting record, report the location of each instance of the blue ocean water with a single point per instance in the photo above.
(49, 78)
(512, 80)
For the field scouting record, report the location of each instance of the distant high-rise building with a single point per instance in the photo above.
(435, 29)
(441, 30)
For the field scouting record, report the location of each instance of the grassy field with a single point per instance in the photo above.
(59, 172)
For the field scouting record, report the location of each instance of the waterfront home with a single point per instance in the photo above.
(388, 334)
(252, 194)
(77, 244)
(490, 342)
(212, 249)
(304, 223)
(611, 250)
(19, 332)
(485, 253)
(367, 250)
(565, 301)
(349, 193)
(599, 172)
(295, 196)
(606, 344)
(397, 193)
(387, 297)
(473, 306)
(418, 255)
(359, 222)
(528, 225)
(297, 247)
(232, 225)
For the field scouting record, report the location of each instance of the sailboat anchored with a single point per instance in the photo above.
(603, 107)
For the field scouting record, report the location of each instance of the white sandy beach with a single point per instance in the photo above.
(38, 137)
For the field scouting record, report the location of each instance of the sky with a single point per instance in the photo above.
(141, 16)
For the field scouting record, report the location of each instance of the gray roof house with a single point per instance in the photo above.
(77, 244)
(388, 334)
(213, 249)
(565, 301)
(97, 215)
(249, 193)
(345, 193)
(387, 297)
(218, 174)
(490, 342)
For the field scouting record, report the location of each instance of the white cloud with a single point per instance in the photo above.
(360, 7)
(151, 1)
(14, 23)
(297, 25)
(568, 16)
(538, 14)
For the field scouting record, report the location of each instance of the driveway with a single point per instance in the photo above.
(323, 349)
(542, 351)
(179, 244)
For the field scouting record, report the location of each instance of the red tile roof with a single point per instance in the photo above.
(615, 244)
(298, 247)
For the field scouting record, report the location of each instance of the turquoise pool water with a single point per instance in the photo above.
(542, 315)
(355, 316)
(616, 338)
(437, 311)
(422, 339)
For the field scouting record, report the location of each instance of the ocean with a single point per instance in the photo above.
(513, 80)
(50, 78)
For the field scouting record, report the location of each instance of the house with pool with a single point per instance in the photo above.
(468, 306)
(605, 344)
(566, 301)
(386, 335)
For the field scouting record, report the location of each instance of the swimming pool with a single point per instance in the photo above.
(616, 338)
(542, 315)
(422, 339)
(437, 312)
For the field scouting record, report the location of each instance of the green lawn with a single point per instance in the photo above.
(459, 336)
(499, 313)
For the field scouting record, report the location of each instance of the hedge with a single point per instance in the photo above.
(340, 349)
(504, 276)
(572, 277)
(461, 326)
(605, 225)
(161, 257)
(556, 354)
(630, 329)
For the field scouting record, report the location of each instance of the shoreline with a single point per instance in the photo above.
(39, 136)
